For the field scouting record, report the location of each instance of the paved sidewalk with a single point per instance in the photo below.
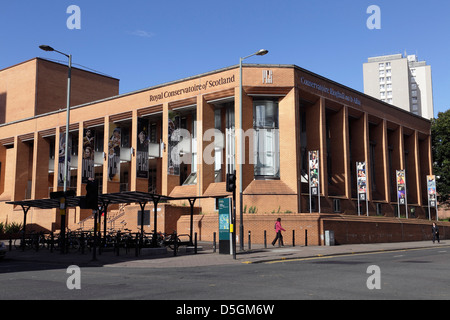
(205, 255)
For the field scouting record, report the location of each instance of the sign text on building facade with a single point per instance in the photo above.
(336, 93)
(193, 88)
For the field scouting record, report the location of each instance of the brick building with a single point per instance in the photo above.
(131, 142)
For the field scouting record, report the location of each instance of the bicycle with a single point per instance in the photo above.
(72, 244)
(147, 240)
(33, 240)
(85, 240)
(171, 240)
(125, 239)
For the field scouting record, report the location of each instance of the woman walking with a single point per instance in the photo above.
(279, 236)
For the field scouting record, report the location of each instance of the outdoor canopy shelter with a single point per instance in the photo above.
(104, 200)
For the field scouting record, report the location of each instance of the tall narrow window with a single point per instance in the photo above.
(304, 145)
(217, 147)
(229, 139)
(266, 139)
(392, 180)
(192, 178)
(372, 164)
(194, 143)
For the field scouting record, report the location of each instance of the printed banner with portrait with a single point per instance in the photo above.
(314, 172)
(431, 187)
(88, 155)
(401, 187)
(114, 153)
(361, 178)
(174, 139)
(61, 158)
(142, 148)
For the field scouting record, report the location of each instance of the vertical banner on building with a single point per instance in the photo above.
(432, 201)
(401, 191)
(61, 158)
(361, 181)
(142, 148)
(173, 154)
(314, 181)
(88, 155)
(114, 153)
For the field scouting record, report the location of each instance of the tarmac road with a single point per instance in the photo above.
(417, 270)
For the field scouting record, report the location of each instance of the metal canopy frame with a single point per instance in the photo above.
(104, 200)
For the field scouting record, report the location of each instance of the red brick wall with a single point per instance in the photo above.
(347, 229)
(206, 225)
(379, 229)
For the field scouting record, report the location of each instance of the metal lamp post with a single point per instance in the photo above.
(66, 147)
(241, 148)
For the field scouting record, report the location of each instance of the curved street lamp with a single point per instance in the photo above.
(261, 52)
(66, 147)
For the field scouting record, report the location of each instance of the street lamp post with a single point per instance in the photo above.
(66, 147)
(241, 148)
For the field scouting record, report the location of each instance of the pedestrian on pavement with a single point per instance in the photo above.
(279, 236)
(435, 232)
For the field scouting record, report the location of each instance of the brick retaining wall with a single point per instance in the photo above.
(347, 229)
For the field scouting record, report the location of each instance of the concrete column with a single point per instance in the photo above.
(366, 137)
(287, 140)
(205, 149)
(247, 137)
(419, 181)
(168, 181)
(346, 140)
(22, 169)
(322, 148)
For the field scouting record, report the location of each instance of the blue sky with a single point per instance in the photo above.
(146, 42)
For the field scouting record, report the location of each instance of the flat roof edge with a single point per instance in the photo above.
(295, 67)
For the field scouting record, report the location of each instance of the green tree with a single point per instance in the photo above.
(440, 135)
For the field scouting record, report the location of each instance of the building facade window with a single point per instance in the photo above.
(266, 139)
(372, 164)
(192, 177)
(230, 146)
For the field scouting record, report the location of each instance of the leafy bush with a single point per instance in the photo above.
(10, 228)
